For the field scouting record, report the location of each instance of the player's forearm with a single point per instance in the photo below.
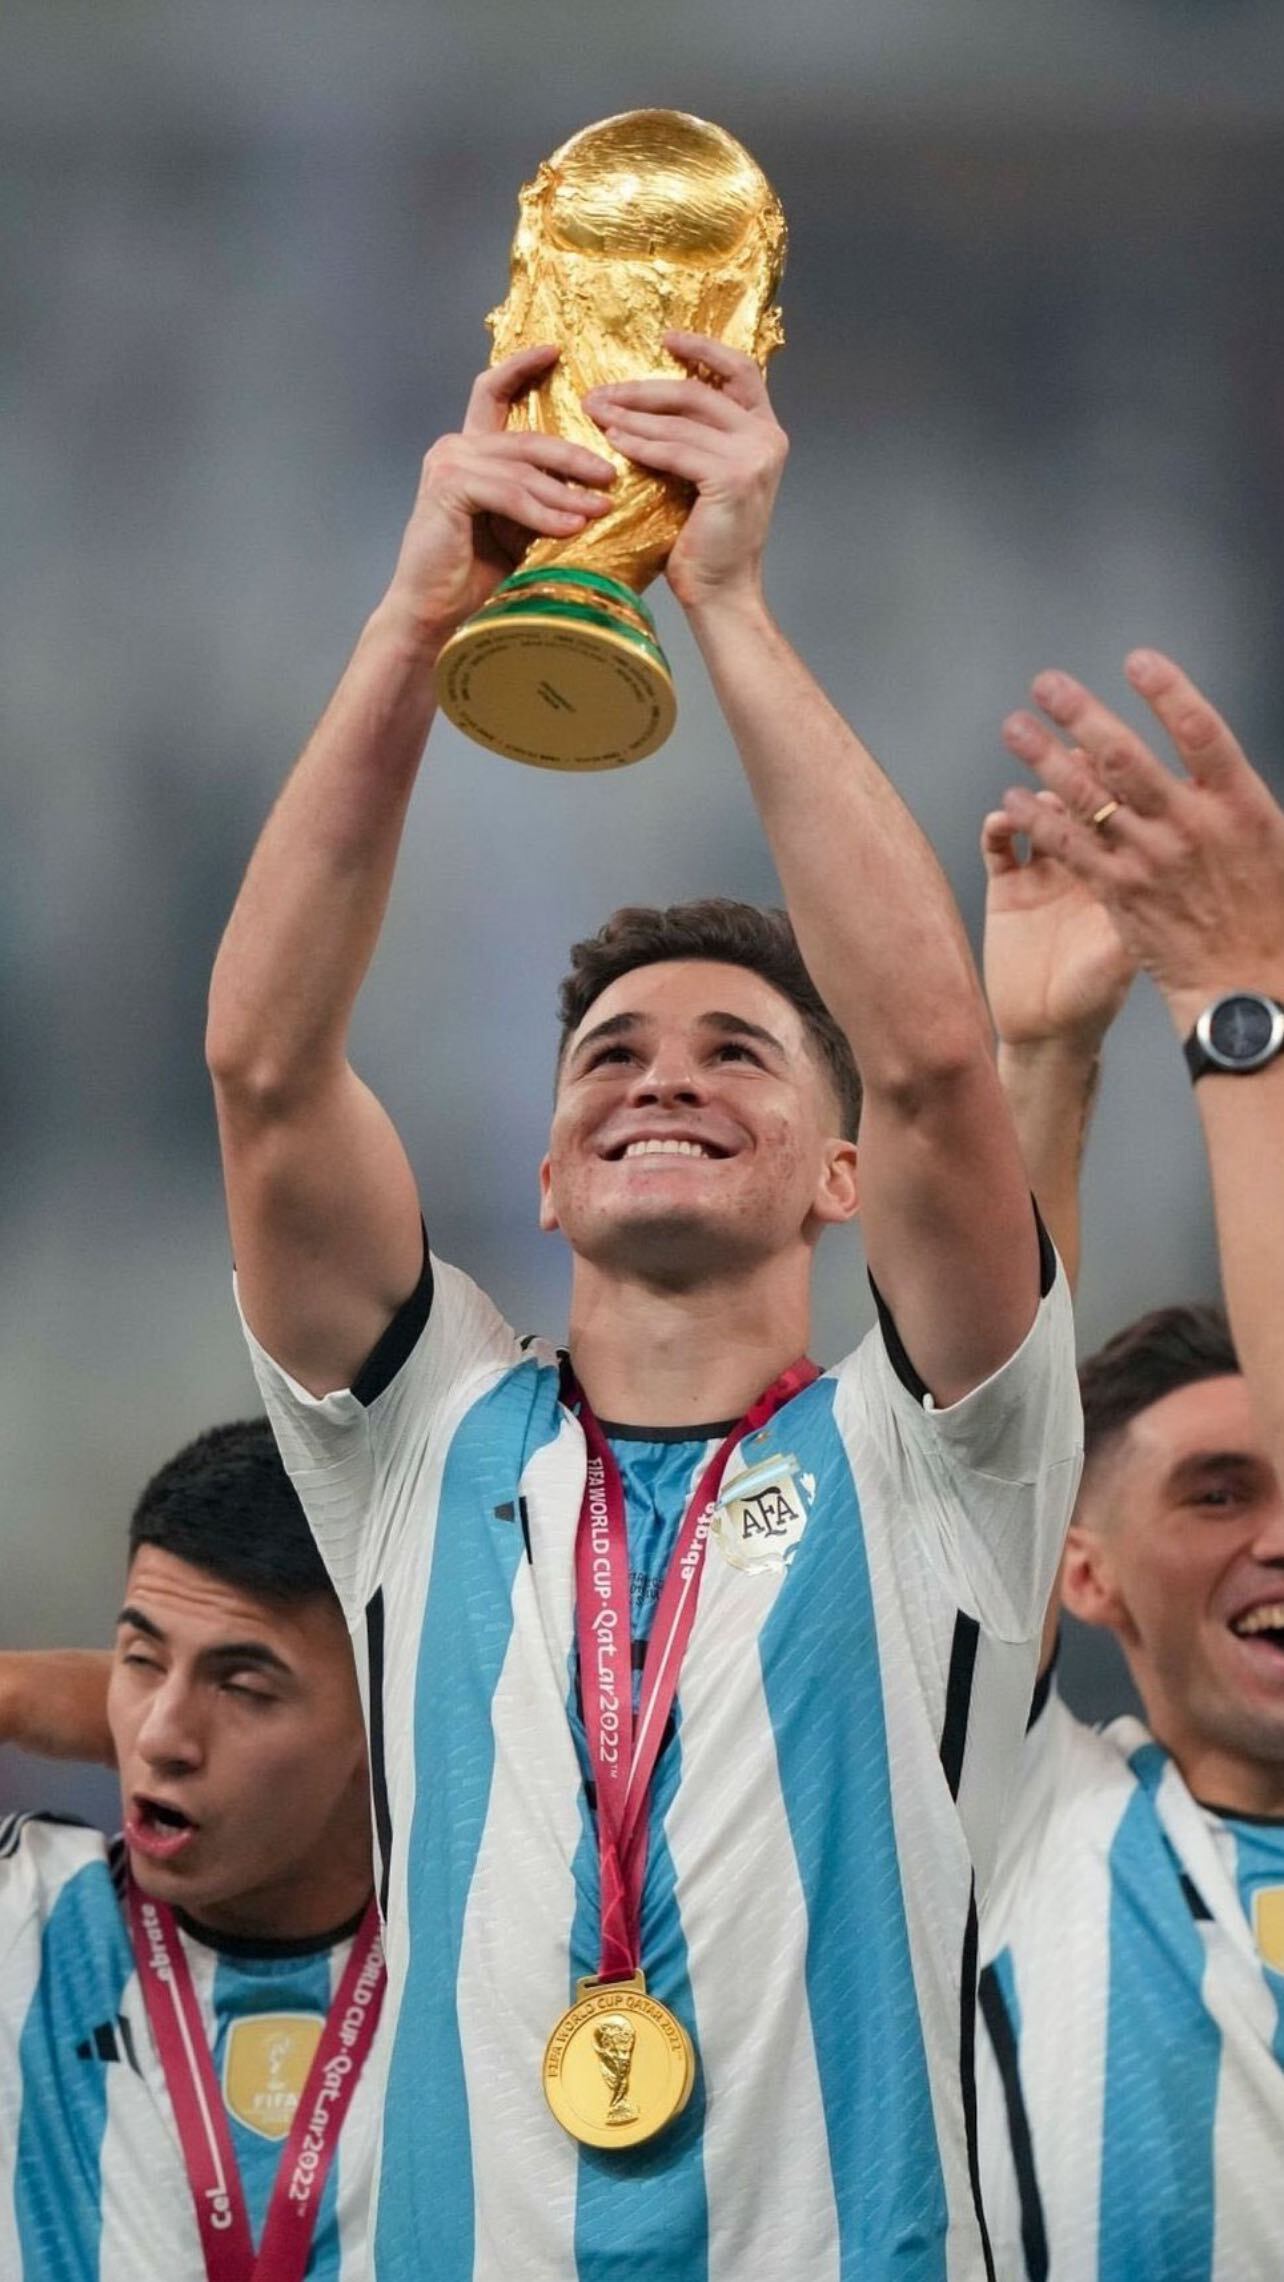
(1243, 1122)
(307, 919)
(874, 915)
(1051, 1084)
(54, 1702)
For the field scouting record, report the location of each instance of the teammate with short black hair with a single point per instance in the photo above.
(166, 1998)
(225, 1503)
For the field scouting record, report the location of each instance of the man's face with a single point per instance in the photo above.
(238, 1735)
(1179, 1547)
(694, 1128)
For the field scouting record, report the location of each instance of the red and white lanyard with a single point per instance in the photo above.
(622, 1752)
(179, 2030)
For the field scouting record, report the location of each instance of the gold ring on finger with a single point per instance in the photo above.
(1101, 816)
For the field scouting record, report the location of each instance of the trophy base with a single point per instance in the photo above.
(560, 669)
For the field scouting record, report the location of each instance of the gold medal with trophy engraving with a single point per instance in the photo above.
(618, 2066)
(643, 224)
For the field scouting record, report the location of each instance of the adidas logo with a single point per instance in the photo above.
(111, 2040)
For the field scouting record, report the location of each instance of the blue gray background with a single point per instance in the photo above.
(1035, 384)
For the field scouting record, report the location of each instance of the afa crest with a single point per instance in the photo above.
(1268, 1925)
(762, 1514)
(265, 2067)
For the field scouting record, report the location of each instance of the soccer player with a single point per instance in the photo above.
(1191, 869)
(1133, 1995)
(185, 2012)
(695, 1674)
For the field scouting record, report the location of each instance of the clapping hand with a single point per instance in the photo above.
(1055, 967)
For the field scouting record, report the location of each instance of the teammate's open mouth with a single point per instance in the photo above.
(156, 1828)
(1262, 1626)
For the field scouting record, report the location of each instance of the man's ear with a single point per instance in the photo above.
(547, 1216)
(838, 1190)
(1089, 1588)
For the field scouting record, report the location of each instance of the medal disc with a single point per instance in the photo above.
(618, 2066)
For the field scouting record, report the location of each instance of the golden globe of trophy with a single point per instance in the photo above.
(642, 224)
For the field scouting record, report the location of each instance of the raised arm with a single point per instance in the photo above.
(949, 1232)
(1056, 975)
(53, 1701)
(323, 1206)
(1191, 868)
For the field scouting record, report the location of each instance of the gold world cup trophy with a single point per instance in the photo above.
(642, 224)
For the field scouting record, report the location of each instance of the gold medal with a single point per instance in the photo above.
(618, 2066)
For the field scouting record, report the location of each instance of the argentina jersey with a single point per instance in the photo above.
(92, 2182)
(849, 1709)
(1132, 2079)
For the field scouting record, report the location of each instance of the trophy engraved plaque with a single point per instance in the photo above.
(649, 222)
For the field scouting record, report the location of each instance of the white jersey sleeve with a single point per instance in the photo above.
(966, 1511)
(358, 1458)
(995, 1474)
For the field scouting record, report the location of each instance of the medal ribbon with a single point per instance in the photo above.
(622, 1752)
(179, 2030)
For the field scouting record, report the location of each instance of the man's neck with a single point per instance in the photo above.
(1226, 1779)
(292, 1913)
(309, 1900)
(648, 1356)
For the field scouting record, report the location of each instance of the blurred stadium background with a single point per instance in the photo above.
(1035, 384)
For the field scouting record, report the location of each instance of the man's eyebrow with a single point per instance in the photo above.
(139, 1622)
(725, 1025)
(739, 1026)
(242, 1652)
(1200, 1463)
(224, 1652)
(615, 1026)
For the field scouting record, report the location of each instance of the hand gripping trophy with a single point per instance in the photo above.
(642, 224)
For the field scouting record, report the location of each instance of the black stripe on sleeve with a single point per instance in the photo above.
(1043, 1687)
(13, 1825)
(127, 2043)
(895, 1345)
(958, 1698)
(390, 1351)
(1034, 2235)
(378, 1768)
(967, 2079)
(1047, 1256)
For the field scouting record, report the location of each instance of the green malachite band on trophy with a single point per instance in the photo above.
(557, 683)
(561, 574)
(543, 606)
(543, 677)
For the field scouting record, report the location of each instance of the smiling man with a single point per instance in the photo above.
(173, 2005)
(1134, 1996)
(695, 1674)
(1133, 2073)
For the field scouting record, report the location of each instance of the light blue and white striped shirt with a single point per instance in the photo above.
(828, 1796)
(1132, 2076)
(92, 2182)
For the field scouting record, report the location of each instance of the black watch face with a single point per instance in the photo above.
(1241, 1028)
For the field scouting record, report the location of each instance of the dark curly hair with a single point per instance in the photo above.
(742, 935)
(226, 1504)
(1171, 1347)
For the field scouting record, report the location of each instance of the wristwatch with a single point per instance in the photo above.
(1239, 1032)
